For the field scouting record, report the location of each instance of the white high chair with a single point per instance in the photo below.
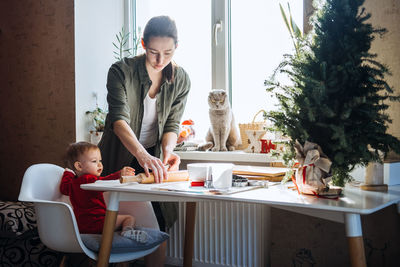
(56, 222)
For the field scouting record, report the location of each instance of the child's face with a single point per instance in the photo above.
(90, 163)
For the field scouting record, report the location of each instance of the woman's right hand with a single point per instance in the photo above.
(149, 162)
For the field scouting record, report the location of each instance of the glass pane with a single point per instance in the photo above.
(193, 20)
(259, 40)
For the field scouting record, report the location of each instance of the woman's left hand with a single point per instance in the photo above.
(172, 160)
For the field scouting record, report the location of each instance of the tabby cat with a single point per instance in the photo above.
(223, 133)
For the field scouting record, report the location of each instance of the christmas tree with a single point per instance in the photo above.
(338, 94)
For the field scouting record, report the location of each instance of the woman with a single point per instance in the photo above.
(146, 99)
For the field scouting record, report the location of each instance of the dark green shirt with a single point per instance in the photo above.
(128, 84)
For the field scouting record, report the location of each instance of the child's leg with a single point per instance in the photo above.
(127, 223)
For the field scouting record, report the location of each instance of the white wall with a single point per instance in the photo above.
(96, 23)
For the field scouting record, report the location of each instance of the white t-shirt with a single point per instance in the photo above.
(149, 131)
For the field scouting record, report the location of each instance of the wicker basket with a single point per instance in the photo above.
(250, 126)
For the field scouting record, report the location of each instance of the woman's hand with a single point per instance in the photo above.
(130, 141)
(149, 162)
(127, 171)
(171, 159)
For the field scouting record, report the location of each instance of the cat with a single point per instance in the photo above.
(223, 134)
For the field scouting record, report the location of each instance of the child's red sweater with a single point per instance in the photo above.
(89, 206)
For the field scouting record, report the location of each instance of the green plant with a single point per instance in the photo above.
(294, 31)
(287, 154)
(98, 117)
(337, 93)
(121, 43)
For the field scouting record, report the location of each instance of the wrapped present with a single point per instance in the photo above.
(313, 175)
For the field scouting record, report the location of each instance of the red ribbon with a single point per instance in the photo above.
(304, 172)
(294, 181)
(314, 193)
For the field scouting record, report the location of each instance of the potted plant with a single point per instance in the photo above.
(337, 93)
(121, 44)
(98, 117)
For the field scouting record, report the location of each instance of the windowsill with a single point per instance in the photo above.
(238, 156)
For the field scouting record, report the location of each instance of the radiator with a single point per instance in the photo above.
(226, 234)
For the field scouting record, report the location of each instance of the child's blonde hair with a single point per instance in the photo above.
(75, 150)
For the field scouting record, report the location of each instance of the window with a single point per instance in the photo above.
(259, 40)
(194, 51)
(233, 45)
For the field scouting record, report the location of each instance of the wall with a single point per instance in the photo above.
(96, 23)
(300, 240)
(386, 14)
(37, 97)
(48, 75)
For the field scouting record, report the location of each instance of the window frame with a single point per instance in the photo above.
(221, 75)
(221, 69)
(221, 42)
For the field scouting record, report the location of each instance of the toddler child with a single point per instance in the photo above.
(83, 160)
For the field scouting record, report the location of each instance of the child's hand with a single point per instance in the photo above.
(127, 171)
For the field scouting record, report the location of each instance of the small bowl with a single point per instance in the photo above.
(198, 171)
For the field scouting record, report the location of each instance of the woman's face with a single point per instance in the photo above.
(159, 52)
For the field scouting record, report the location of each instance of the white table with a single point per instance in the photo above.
(346, 209)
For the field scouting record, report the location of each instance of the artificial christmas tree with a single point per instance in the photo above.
(338, 94)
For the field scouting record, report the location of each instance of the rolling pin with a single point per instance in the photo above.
(172, 176)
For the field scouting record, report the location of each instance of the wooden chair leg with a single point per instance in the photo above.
(63, 261)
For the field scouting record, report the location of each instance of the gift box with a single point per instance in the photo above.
(313, 175)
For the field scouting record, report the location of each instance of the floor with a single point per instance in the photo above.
(140, 263)
(80, 260)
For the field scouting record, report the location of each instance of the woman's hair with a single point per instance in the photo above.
(162, 26)
(75, 150)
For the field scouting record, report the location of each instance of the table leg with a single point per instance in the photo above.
(355, 240)
(108, 230)
(189, 233)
